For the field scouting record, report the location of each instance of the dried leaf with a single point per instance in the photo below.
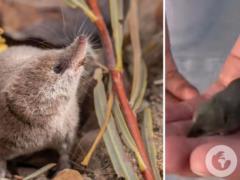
(68, 174)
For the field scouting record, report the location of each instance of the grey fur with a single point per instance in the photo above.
(219, 115)
(38, 107)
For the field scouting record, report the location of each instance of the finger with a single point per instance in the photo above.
(175, 82)
(183, 110)
(171, 99)
(198, 156)
(179, 112)
(231, 68)
(185, 156)
(178, 151)
(213, 89)
(178, 128)
(179, 86)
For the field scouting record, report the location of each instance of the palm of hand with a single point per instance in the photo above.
(186, 156)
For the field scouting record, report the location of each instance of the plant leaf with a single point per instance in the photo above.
(147, 132)
(103, 128)
(139, 81)
(140, 88)
(127, 137)
(121, 164)
(83, 6)
(116, 14)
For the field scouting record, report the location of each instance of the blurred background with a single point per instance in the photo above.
(202, 34)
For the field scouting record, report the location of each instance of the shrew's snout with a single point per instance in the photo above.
(80, 48)
(73, 56)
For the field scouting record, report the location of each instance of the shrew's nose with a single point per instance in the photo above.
(73, 56)
(79, 51)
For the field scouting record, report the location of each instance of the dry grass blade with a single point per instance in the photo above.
(121, 164)
(83, 6)
(116, 11)
(87, 158)
(139, 69)
(40, 171)
(147, 131)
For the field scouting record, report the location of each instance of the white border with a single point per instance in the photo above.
(164, 97)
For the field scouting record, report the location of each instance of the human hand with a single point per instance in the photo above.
(177, 87)
(186, 156)
(189, 159)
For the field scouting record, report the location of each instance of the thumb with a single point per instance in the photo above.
(199, 165)
(179, 86)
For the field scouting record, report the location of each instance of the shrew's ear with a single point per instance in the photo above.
(16, 107)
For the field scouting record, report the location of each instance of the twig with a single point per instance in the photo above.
(131, 122)
(40, 171)
(116, 75)
(97, 140)
(158, 82)
(116, 69)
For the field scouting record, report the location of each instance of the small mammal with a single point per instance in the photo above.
(38, 99)
(219, 115)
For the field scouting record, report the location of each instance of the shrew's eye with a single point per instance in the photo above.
(61, 66)
(57, 68)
